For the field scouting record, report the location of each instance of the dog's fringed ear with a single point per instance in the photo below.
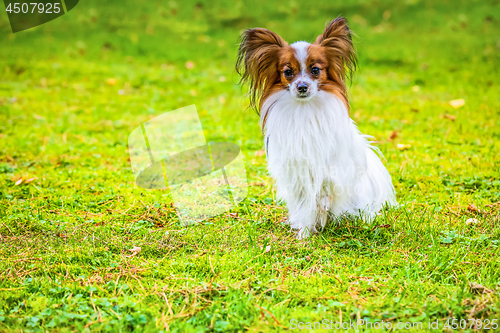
(338, 45)
(258, 58)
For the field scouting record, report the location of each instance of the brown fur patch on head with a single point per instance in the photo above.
(316, 57)
(258, 59)
(336, 45)
(288, 61)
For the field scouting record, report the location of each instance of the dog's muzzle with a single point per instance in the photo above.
(302, 89)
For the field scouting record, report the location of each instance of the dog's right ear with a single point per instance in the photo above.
(258, 58)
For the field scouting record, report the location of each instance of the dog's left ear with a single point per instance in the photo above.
(337, 41)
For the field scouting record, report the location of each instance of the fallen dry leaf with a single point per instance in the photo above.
(308, 258)
(449, 116)
(402, 146)
(268, 248)
(30, 180)
(456, 103)
(479, 288)
(189, 65)
(19, 181)
(472, 208)
(111, 81)
(393, 135)
(471, 221)
(135, 251)
(260, 152)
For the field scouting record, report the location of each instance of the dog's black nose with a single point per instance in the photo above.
(302, 87)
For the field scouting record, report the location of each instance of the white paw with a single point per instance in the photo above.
(326, 202)
(306, 232)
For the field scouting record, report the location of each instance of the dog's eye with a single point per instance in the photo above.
(315, 71)
(288, 72)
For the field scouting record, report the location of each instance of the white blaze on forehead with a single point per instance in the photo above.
(301, 50)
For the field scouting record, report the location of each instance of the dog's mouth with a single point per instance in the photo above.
(303, 97)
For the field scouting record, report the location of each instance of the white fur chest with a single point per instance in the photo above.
(311, 142)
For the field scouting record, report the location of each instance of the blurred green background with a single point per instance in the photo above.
(101, 68)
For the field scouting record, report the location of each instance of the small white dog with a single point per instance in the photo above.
(322, 164)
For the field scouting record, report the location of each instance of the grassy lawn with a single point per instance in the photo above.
(72, 90)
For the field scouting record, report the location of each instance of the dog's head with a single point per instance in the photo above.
(270, 64)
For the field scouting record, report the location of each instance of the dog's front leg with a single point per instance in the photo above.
(303, 214)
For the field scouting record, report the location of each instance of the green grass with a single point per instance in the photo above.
(66, 229)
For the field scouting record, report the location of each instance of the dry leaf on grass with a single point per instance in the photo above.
(479, 288)
(456, 103)
(189, 65)
(449, 116)
(111, 81)
(19, 181)
(471, 221)
(260, 152)
(135, 251)
(402, 146)
(473, 208)
(393, 135)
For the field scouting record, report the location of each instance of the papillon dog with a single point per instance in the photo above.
(324, 168)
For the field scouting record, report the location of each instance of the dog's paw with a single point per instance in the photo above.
(325, 203)
(304, 233)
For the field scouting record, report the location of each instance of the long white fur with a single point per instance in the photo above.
(323, 166)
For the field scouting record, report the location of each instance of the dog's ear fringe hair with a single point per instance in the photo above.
(338, 38)
(257, 58)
